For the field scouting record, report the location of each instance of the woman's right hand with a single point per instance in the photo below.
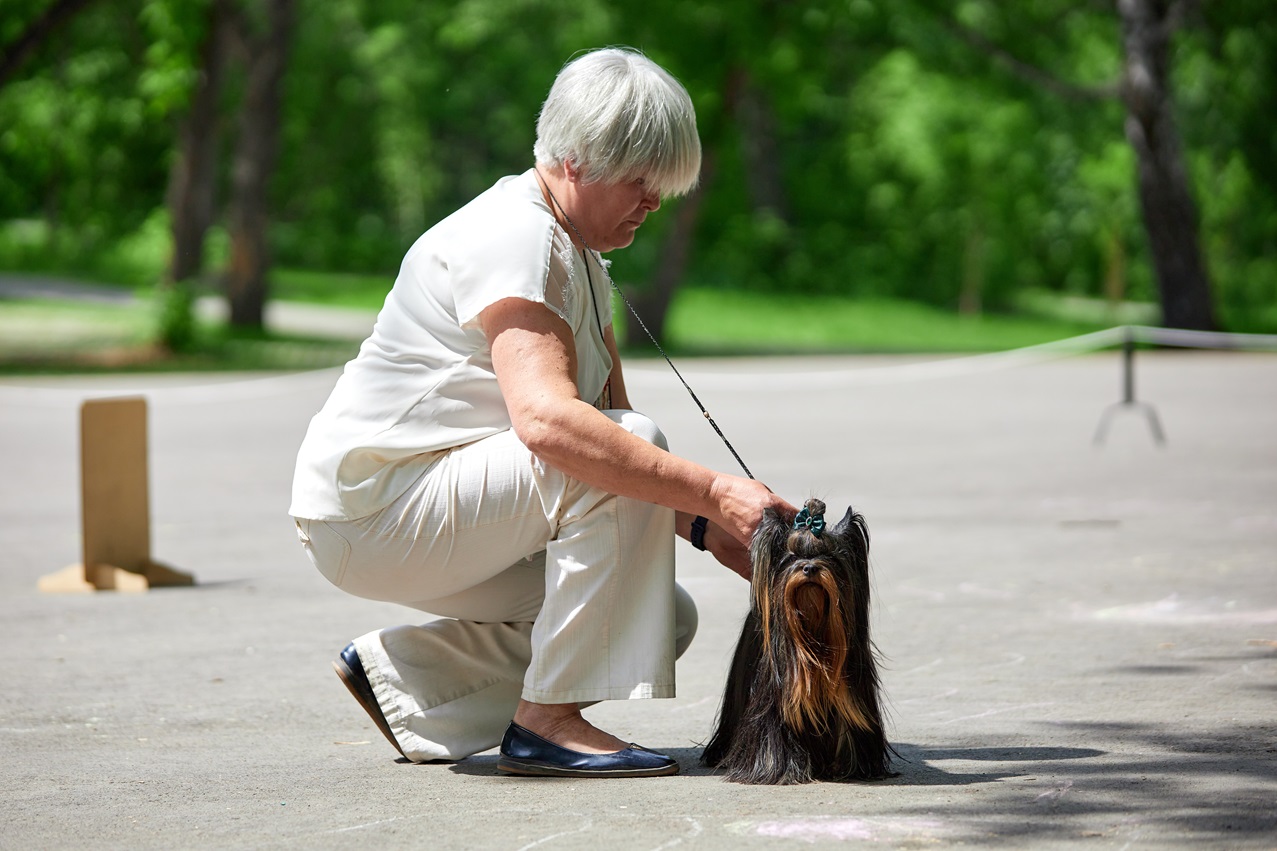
(741, 503)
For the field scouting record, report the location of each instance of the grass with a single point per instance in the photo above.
(337, 289)
(704, 321)
(47, 335)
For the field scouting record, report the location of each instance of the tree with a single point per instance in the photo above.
(79, 149)
(952, 153)
(1170, 214)
(1170, 217)
(770, 81)
(267, 43)
(191, 196)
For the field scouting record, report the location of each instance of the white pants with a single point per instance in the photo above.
(549, 589)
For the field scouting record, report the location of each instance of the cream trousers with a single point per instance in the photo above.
(547, 589)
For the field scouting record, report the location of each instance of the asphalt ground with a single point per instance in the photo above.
(1079, 642)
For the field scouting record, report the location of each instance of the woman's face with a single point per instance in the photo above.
(610, 213)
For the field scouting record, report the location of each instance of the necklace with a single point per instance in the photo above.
(586, 246)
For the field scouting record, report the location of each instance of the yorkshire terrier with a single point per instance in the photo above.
(802, 695)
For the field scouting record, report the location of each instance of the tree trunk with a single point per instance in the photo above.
(255, 154)
(653, 303)
(1114, 268)
(192, 181)
(1170, 215)
(971, 294)
(748, 107)
(757, 120)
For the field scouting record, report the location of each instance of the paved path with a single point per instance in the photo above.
(281, 316)
(1080, 642)
(23, 285)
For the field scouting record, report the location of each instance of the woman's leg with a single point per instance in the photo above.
(463, 544)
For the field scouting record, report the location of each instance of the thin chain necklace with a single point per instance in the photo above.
(545, 185)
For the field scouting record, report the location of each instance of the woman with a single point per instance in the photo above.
(479, 461)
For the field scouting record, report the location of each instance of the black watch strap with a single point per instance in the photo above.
(698, 533)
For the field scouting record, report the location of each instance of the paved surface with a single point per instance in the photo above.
(281, 317)
(1080, 642)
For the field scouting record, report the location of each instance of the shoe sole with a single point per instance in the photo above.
(350, 679)
(527, 768)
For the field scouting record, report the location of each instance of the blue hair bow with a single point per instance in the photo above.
(807, 520)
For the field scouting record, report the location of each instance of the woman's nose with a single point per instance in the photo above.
(651, 201)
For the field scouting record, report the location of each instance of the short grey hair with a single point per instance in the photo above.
(616, 115)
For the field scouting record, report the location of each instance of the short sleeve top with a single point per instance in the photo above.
(423, 381)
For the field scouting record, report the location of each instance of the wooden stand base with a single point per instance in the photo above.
(74, 579)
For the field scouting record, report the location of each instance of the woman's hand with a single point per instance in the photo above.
(741, 503)
(730, 552)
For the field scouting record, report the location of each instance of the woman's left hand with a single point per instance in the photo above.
(730, 552)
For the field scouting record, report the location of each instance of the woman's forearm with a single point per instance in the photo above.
(578, 440)
(535, 362)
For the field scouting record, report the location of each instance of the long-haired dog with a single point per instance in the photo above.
(802, 696)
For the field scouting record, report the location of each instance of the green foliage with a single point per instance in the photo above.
(1228, 82)
(859, 147)
(175, 317)
(78, 145)
(173, 30)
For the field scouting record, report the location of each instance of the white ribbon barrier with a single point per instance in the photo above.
(922, 371)
(1122, 335)
(1185, 339)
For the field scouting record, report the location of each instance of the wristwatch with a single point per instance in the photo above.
(698, 533)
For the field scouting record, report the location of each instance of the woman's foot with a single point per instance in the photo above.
(562, 724)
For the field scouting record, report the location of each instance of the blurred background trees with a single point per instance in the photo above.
(969, 155)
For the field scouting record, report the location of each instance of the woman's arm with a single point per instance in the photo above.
(620, 397)
(535, 362)
(729, 551)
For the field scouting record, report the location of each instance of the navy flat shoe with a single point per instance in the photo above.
(351, 671)
(525, 753)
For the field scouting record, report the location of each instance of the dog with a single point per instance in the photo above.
(802, 701)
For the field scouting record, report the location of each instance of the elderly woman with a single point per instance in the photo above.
(478, 460)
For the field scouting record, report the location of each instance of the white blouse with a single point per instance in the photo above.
(423, 382)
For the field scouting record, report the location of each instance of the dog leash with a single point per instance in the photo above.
(643, 325)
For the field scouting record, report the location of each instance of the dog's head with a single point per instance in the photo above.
(803, 564)
(811, 590)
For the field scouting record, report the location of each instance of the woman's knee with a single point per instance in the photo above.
(328, 549)
(640, 425)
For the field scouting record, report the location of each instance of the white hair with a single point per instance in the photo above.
(616, 115)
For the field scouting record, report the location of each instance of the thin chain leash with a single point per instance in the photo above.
(643, 325)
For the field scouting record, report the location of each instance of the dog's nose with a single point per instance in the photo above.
(809, 569)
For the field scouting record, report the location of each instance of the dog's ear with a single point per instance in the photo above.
(852, 529)
(770, 536)
(766, 549)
